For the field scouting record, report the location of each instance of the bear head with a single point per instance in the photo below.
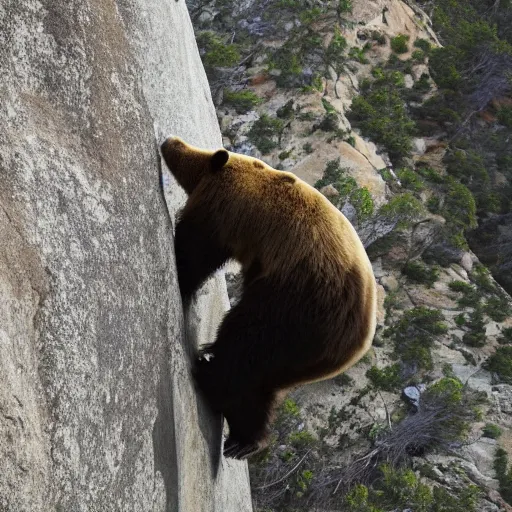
(189, 164)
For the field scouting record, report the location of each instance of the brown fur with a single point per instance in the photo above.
(309, 299)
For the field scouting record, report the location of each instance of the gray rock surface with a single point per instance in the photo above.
(97, 411)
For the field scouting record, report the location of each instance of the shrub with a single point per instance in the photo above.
(505, 116)
(506, 336)
(358, 54)
(460, 320)
(459, 206)
(470, 294)
(500, 363)
(264, 131)
(469, 167)
(381, 113)
(503, 474)
(399, 44)
(430, 174)
(359, 198)
(401, 489)
(334, 54)
(423, 44)
(491, 430)
(289, 60)
(410, 180)
(414, 335)
(217, 53)
(482, 278)
(387, 379)
(475, 337)
(301, 439)
(418, 56)
(330, 122)
(344, 6)
(242, 101)
(423, 84)
(420, 273)
(328, 107)
(379, 38)
(308, 148)
(286, 111)
(402, 208)
(497, 307)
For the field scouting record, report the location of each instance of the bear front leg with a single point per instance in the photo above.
(198, 255)
(248, 422)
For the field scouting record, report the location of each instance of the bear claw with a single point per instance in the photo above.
(236, 450)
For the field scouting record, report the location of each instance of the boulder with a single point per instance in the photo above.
(97, 409)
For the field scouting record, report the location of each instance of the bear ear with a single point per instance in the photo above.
(219, 159)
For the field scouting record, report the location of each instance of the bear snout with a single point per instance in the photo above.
(170, 143)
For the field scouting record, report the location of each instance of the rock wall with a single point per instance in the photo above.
(97, 411)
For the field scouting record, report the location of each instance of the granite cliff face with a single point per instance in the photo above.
(97, 411)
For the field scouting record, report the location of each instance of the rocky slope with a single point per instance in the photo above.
(294, 84)
(97, 410)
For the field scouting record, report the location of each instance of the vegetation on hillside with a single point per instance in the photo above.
(463, 101)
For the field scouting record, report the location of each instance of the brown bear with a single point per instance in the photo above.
(308, 306)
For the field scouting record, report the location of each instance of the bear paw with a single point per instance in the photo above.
(239, 450)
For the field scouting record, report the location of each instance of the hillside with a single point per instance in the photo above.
(400, 113)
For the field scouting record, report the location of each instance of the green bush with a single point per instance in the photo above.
(420, 273)
(498, 307)
(475, 337)
(358, 54)
(410, 179)
(403, 208)
(414, 335)
(399, 44)
(344, 6)
(335, 52)
(500, 363)
(503, 474)
(470, 295)
(469, 167)
(482, 278)
(217, 53)
(423, 44)
(379, 38)
(286, 111)
(506, 336)
(460, 320)
(423, 84)
(381, 113)
(264, 132)
(242, 101)
(460, 206)
(330, 122)
(359, 198)
(301, 439)
(308, 148)
(431, 174)
(418, 56)
(491, 430)
(387, 378)
(505, 116)
(401, 489)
